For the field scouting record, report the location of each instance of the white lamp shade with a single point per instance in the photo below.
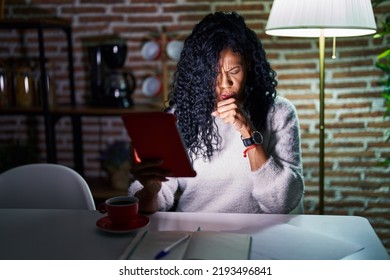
(313, 18)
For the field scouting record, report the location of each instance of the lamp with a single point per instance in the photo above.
(321, 18)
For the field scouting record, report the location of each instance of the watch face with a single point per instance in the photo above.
(257, 137)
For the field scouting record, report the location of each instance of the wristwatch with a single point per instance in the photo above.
(256, 138)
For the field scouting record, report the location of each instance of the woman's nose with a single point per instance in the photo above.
(224, 80)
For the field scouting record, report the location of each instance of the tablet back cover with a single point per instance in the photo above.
(155, 135)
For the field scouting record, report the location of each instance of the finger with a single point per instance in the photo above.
(226, 102)
(227, 107)
(225, 110)
(229, 113)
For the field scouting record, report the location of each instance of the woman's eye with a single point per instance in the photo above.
(234, 71)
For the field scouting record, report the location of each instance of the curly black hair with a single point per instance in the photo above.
(192, 96)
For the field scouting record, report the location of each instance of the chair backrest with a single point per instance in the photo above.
(44, 186)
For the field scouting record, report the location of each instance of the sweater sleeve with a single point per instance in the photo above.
(278, 184)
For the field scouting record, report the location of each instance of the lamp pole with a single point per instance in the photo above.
(322, 121)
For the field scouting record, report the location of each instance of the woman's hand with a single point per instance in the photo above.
(230, 112)
(149, 174)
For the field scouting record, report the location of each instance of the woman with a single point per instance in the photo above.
(243, 140)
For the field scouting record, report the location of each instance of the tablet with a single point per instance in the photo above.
(155, 135)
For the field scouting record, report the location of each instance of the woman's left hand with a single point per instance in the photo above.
(230, 112)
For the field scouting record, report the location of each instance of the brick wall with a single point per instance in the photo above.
(355, 127)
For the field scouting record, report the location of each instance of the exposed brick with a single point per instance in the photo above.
(354, 74)
(343, 85)
(298, 76)
(365, 115)
(345, 145)
(134, 9)
(149, 19)
(344, 204)
(185, 8)
(337, 64)
(358, 135)
(83, 10)
(100, 19)
(367, 194)
(103, 1)
(344, 125)
(151, 1)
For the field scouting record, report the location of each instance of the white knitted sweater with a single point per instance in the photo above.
(227, 184)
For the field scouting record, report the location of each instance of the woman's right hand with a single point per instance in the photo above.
(150, 174)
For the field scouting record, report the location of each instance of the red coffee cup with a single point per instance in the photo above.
(121, 210)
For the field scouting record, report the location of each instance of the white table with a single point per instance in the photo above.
(72, 234)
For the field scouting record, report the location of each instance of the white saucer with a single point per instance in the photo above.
(151, 86)
(174, 49)
(150, 50)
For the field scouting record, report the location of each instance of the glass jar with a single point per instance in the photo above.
(4, 88)
(25, 87)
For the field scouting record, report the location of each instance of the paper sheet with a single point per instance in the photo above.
(288, 242)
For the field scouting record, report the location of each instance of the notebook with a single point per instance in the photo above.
(155, 135)
(204, 245)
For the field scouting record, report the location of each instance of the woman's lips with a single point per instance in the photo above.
(226, 96)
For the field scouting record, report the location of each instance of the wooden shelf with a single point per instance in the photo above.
(33, 23)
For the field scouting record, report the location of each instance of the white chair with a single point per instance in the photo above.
(44, 186)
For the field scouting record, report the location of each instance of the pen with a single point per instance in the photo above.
(166, 251)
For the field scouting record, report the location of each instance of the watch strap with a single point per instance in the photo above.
(248, 141)
(256, 138)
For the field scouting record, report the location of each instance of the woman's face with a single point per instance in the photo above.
(231, 76)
